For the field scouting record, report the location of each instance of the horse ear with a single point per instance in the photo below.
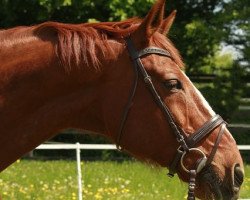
(152, 22)
(167, 23)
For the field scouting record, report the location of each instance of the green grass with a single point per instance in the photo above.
(55, 180)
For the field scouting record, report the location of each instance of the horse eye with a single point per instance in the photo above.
(173, 84)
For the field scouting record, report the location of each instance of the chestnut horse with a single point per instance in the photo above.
(56, 76)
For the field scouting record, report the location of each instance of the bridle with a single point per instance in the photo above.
(187, 144)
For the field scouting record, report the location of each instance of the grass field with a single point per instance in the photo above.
(54, 180)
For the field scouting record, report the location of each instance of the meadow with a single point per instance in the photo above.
(55, 180)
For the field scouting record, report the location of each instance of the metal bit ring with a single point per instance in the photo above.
(185, 153)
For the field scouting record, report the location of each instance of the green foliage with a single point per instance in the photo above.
(224, 94)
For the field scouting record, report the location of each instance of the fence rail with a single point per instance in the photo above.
(78, 147)
(98, 147)
(208, 78)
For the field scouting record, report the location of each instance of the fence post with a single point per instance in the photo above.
(79, 171)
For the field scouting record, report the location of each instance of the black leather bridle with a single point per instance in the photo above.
(187, 144)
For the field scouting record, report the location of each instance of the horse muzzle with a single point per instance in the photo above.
(218, 189)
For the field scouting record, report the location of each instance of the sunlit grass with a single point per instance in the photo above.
(54, 180)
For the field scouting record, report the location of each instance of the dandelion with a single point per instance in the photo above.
(85, 191)
(98, 196)
(56, 182)
(114, 190)
(125, 190)
(100, 190)
(1, 182)
(127, 182)
(106, 181)
(22, 190)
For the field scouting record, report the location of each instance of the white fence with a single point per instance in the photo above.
(78, 147)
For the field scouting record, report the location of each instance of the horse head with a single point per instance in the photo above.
(158, 115)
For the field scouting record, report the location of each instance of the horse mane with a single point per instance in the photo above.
(79, 44)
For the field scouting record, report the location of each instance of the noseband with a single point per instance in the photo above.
(187, 144)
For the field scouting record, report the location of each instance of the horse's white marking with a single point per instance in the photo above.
(203, 100)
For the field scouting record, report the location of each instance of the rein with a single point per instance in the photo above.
(187, 144)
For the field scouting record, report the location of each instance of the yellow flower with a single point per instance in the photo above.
(56, 182)
(98, 196)
(125, 190)
(100, 190)
(85, 191)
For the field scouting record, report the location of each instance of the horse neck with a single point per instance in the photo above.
(38, 98)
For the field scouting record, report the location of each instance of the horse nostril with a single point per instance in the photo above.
(238, 176)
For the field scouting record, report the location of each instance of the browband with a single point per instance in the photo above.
(150, 50)
(154, 50)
